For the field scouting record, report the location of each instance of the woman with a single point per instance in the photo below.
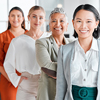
(21, 56)
(47, 52)
(78, 76)
(16, 27)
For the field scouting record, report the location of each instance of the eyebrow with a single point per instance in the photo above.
(81, 19)
(36, 15)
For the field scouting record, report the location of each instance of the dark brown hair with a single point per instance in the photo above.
(23, 23)
(92, 9)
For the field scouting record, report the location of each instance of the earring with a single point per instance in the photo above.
(95, 29)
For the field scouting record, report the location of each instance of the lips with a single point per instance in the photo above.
(83, 31)
(15, 22)
(36, 24)
(58, 29)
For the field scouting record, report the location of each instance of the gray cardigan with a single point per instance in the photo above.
(64, 85)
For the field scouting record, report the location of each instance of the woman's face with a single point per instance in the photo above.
(36, 19)
(16, 18)
(58, 24)
(84, 24)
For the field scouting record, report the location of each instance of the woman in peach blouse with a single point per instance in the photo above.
(16, 27)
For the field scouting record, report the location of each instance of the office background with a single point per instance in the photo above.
(48, 5)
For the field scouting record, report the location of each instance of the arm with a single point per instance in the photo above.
(61, 87)
(43, 56)
(9, 65)
(2, 71)
(2, 56)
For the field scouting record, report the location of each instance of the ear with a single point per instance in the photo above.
(73, 22)
(97, 22)
(67, 26)
(8, 18)
(28, 18)
(23, 18)
(49, 27)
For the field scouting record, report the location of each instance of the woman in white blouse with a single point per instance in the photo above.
(78, 71)
(21, 57)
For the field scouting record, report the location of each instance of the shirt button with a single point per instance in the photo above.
(85, 60)
(84, 79)
(85, 70)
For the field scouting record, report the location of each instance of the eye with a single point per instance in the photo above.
(62, 21)
(34, 16)
(12, 15)
(53, 21)
(41, 18)
(88, 21)
(18, 15)
(78, 21)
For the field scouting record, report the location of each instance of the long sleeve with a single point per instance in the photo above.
(2, 53)
(9, 65)
(43, 55)
(61, 87)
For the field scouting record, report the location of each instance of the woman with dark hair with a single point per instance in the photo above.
(16, 27)
(78, 70)
(21, 57)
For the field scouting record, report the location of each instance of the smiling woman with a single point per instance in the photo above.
(16, 27)
(47, 52)
(78, 69)
(21, 56)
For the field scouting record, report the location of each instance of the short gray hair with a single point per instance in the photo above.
(59, 10)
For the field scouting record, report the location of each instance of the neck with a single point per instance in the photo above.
(85, 43)
(14, 29)
(17, 31)
(35, 32)
(59, 39)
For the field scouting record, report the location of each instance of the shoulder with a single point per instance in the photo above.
(69, 40)
(3, 35)
(43, 40)
(17, 39)
(68, 47)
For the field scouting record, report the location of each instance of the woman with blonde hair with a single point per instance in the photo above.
(21, 57)
(16, 27)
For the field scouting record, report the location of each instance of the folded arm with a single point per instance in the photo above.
(43, 57)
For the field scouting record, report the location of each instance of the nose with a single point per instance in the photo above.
(37, 20)
(15, 18)
(58, 23)
(83, 25)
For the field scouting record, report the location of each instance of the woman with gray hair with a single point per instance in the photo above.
(47, 53)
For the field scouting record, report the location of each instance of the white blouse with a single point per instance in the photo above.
(84, 66)
(21, 56)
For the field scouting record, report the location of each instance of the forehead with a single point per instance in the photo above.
(38, 12)
(15, 12)
(58, 15)
(84, 14)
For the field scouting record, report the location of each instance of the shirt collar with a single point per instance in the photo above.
(94, 45)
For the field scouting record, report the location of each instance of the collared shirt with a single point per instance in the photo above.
(84, 66)
(21, 56)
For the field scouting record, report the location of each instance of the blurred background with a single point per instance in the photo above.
(48, 5)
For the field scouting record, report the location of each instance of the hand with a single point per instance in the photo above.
(49, 72)
(22, 78)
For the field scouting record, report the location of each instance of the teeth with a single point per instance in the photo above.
(58, 28)
(83, 31)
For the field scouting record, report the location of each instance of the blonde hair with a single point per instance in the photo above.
(35, 8)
